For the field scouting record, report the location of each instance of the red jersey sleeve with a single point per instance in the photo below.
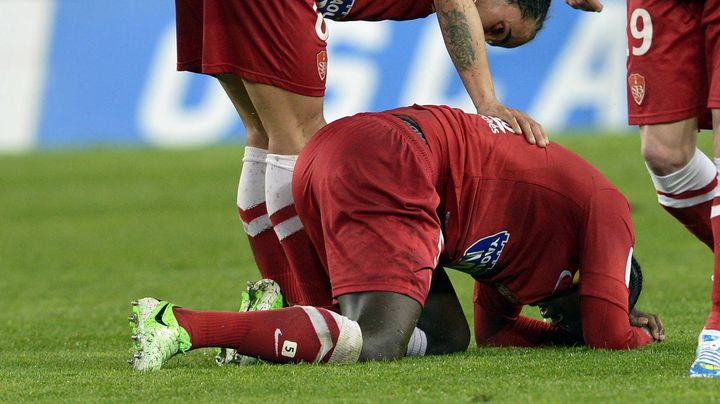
(604, 272)
(498, 323)
(373, 10)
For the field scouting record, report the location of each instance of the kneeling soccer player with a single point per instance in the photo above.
(390, 198)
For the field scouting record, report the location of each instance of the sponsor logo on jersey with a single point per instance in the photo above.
(482, 256)
(497, 125)
(322, 61)
(637, 87)
(334, 9)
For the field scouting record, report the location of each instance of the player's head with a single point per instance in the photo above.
(564, 310)
(511, 23)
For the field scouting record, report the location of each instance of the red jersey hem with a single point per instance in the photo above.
(714, 103)
(256, 77)
(665, 117)
(381, 287)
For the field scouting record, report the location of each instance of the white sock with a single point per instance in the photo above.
(417, 344)
(697, 173)
(278, 192)
(251, 190)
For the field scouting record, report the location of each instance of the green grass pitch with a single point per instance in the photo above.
(84, 233)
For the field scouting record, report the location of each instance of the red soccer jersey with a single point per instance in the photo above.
(525, 219)
(373, 10)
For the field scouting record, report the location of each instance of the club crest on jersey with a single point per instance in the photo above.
(482, 256)
(637, 87)
(322, 61)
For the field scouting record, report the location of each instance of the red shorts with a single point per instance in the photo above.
(275, 42)
(673, 66)
(365, 189)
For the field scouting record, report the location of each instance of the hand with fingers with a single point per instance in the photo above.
(585, 5)
(651, 323)
(520, 122)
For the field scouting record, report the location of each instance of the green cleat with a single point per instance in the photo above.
(261, 295)
(157, 336)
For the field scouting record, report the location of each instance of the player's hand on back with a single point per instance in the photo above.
(585, 5)
(520, 122)
(651, 323)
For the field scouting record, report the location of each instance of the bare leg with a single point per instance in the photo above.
(668, 147)
(386, 320)
(255, 133)
(290, 119)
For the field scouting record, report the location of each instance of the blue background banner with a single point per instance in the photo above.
(110, 75)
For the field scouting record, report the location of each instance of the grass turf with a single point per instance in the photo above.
(83, 233)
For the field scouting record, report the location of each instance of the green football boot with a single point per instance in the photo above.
(261, 295)
(157, 336)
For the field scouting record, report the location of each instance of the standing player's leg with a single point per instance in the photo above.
(707, 362)
(665, 103)
(290, 121)
(252, 207)
(684, 177)
(283, 69)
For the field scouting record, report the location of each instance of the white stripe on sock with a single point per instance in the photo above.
(321, 329)
(687, 202)
(257, 226)
(288, 228)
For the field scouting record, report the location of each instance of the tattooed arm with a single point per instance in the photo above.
(462, 31)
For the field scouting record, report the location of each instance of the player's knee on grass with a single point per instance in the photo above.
(386, 320)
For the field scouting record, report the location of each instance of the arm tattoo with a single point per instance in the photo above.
(458, 39)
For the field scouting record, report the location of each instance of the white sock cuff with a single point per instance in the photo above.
(349, 343)
(254, 155)
(417, 344)
(251, 187)
(717, 162)
(696, 174)
(282, 161)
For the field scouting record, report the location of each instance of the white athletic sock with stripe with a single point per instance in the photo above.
(278, 193)
(269, 255)
(251, 192)
(687, 194)
(304, 261)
